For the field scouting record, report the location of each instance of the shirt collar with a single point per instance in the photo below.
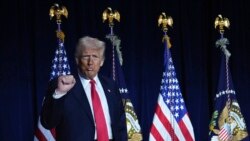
(85, 82)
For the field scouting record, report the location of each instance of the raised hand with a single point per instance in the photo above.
(65, 83)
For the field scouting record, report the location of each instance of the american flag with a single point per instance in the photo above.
(171, 121)
(227, 121)
(60, 66)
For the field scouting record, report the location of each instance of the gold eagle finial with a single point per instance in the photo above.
(165, 21)
(221, 22)
(58, 11)
(109, 15)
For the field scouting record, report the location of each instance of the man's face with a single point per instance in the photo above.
(89, 62)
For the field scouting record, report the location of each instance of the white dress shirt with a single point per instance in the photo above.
(87, 88)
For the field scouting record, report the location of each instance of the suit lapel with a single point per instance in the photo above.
(109, 92)
(81, 97)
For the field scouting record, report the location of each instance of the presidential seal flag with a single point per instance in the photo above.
(133, 127)
(171, 121)
(227, 123)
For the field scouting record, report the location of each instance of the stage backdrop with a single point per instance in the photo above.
(28, 43)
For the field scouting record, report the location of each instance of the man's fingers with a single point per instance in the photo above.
(68, 82)
(65, 83)
(67, 79)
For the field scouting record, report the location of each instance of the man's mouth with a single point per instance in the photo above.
(89, 69)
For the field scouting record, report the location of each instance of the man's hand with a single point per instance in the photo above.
(65, 83)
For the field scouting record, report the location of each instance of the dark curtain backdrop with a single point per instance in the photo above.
(28, 43)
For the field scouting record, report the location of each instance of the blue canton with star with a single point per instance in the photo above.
(170, 90)
(60, 64)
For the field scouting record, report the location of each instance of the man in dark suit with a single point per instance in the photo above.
(70, 106)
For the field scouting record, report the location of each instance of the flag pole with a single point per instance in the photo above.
(171, 120)
(57, 12)
(221, 23)
(133, 127)
(164, 22)
(110, 16)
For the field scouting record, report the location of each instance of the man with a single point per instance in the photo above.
(70, 106)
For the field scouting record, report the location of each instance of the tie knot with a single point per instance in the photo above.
(92, 82)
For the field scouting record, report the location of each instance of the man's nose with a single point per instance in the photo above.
(90, 61)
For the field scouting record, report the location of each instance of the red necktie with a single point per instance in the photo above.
(101, 127)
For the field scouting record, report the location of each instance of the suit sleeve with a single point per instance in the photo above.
(52, 108)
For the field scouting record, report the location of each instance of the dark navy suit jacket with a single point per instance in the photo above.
(72, 117)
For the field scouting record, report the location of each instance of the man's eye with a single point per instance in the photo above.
(85, 57)
(95, 57)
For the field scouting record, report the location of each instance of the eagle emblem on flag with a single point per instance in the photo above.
(230, 122)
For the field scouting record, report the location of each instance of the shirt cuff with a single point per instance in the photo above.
(58, 95)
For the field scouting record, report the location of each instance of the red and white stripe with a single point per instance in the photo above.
(165, 127)
(42, 134)
(224, 134)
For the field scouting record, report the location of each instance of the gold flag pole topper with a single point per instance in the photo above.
(57, 12)
(221, 22)
(109, 15)
(133, 127)
(164, 21)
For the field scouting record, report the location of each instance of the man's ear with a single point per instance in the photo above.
(102, 62)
